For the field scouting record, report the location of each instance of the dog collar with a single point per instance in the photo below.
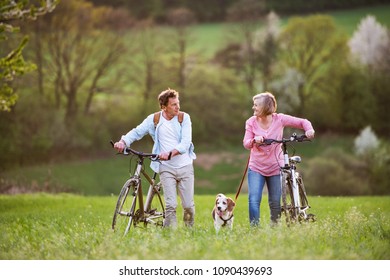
(226, 220)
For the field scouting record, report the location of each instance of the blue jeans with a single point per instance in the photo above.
(256, 183)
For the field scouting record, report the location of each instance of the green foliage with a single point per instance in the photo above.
(11, 66)
(380, 86)
(13, 63)
(69, 227)
(315, 48)
(378, 161)
(336, 173)
(304, 6)
(356, 104)
(227, 105)
(216, 10)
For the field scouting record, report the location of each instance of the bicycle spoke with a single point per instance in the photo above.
(126, 204)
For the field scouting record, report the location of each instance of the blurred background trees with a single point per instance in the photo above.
(100, 64)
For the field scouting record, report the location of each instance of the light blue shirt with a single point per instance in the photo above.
(184, 130)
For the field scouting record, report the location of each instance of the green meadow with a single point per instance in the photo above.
(207, 38)
(65, 226)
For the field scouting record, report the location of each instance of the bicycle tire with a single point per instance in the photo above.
(302, 192)
(288, 199)
(123, 220)
(154, 208)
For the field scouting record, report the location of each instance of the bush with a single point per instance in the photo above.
(376, 155)
(336, 173)
(379, 170)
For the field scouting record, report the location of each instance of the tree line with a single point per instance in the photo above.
(96, 79)
(218, 10)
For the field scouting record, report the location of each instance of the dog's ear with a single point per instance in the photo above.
(231, 204)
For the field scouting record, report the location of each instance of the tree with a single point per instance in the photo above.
(248, 13)
(370, 49)
(150, 46)
(315, 49)
(79, 58)
(266, 47)
(181, 19)
(13, 64)
(370, 43)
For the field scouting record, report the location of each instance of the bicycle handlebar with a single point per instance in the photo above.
(293, 138)
(128, 150)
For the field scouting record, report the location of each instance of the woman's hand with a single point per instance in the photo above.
(310, 133)
(258, 139)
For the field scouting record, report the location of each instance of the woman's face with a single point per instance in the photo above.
(257, 108)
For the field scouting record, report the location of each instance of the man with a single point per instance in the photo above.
(172, 137)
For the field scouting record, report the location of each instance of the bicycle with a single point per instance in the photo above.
(294, 199)
(131, 209)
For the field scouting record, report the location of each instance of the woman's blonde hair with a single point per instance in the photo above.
(267, 102)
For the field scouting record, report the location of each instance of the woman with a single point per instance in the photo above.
(265, 160)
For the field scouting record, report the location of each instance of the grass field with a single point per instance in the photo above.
(63, 226)
(207, 38)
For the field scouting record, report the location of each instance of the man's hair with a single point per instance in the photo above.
(164, 96)
(267, 102)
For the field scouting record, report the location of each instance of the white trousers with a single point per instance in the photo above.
(178, 181)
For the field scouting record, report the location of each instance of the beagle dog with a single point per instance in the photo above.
(223, 212)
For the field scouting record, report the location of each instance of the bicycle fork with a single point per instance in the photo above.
(295, 190)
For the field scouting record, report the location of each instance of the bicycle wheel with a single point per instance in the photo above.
(125, 207)
(154, 206)
(288, 199)
(304, 201)
(302, 192)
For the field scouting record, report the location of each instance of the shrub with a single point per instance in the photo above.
(336, 173)
(378, 163)
(375, 154)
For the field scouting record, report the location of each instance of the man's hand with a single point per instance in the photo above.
(120, 146)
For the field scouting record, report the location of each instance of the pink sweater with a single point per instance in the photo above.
(267, 159)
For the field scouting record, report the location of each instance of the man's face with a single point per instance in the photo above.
(173, 107)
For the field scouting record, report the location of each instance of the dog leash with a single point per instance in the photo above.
(242, 180)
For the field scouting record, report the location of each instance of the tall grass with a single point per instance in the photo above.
(42, 226)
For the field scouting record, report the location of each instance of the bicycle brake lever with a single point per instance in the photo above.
(302, 138)
(156, 158)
